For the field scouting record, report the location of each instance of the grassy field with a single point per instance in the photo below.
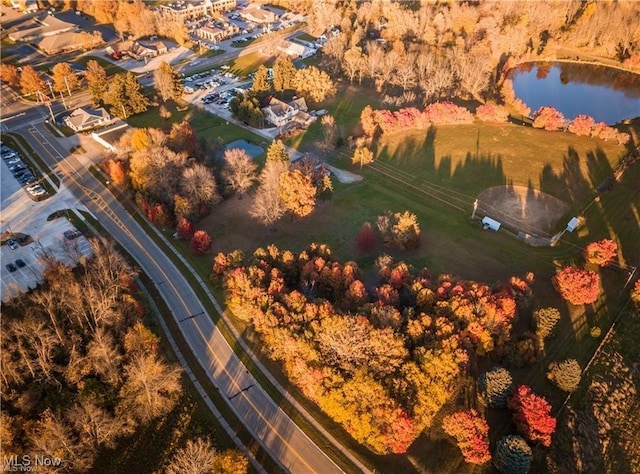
(108, 66)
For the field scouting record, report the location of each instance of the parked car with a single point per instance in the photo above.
(12, 244)
(11, 267)
(72, 234)
(20, 263)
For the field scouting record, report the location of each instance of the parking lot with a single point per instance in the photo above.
(22, 217)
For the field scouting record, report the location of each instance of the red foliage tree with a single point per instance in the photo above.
(576, 285)
(601, 252)
(471, 432)
(492, 113)
(184, 229)
(200, 242)
(532, 415)
(116, 172)
(366, 238)
(582, 125)
(446, 112)
(548, 118)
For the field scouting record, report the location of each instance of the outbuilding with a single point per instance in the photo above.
(489, 223)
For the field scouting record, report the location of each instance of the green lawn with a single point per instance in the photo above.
(108, 66)
(248, 63)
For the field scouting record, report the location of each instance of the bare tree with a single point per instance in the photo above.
(473, 69)
(103, 354)
(239, 170)
(96, 426)
(199, 185)
(329, 132)
(268, 206)
(36, 345)
(196, 457)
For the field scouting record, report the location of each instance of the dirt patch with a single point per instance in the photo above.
(522, 209)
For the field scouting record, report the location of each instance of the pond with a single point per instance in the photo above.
(606, 94)
(252, 149)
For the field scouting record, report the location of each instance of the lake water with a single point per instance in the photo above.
(608, 95)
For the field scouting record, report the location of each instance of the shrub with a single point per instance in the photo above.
(471, 432)
(576, 285)
(601, 252)
(548, 118)
(512, 455)
(495, 386)
(184, 229)
(532, 415)
(546, 320)
(595, 332)
(565, 375)
(445, 113)
(582, 125)
(492, 113)
(200, 242)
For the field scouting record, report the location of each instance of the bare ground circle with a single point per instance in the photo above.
(521, 208)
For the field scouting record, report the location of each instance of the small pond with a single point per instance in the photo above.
(606, 94)
(252, 149)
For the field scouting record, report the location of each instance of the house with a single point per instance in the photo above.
(68, 41)
(296, 50)
(188, 10)
(84, 119)
(142, 50)
(110, 137)
(41, 27)
(216, 34)
(280, 113)
(258, 15)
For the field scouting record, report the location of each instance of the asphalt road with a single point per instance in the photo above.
(277, 433)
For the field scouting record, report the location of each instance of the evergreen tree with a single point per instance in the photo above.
(284, 74)
(546, 320)
(261, 85)
(125, 96)
(565, 375)
(495, 386)
(96, 78)
(168, 82)
(512, 455)
(277, 152)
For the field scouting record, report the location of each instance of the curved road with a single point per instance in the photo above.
(273, 429)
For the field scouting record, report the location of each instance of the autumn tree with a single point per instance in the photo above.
(582, 125)
(199, 186)
(368, 121)
(635, 295)
(329, 132)
(261, 85)
(284, 74)
(200, 242)
(548, 118)
(183, 138)
(277, 152)
(362, 156)
(184, 229)
(546, 320)
(532, 415)
(576, 285)
(268, 206)
(313, 84)
(495, 386)
(64, 78)
(239, 170)
(400, 229)
(471, 432)
(31, 82)
(512, 455)
(231, 461)
(565, 374)
(196, 457)
(9, 75)
(136, 18)
(116, 172)
(297, 192)
(167, 82)
(366, 238)
(601, 252)
(97, 81)
(125, 96)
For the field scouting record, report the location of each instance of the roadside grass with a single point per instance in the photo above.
(109, 67)
(248, 63)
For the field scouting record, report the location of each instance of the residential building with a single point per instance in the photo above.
(217, 34)
(110, 137)
(258, 15)
(280, 113)
(69, 41)
(140, 50)
(188, 10)
(41, 27)
(84, 119)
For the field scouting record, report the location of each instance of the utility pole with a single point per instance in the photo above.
(68, 88)
(50, 88)
(63, 102)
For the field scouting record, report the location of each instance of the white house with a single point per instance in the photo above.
(84, 119)
(110, 137)
(280, 113)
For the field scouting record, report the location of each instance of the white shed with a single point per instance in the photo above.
(489, 223)
(573, 224)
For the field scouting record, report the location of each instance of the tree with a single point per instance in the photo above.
(199, 186)
(565, 374)
(151, 387)
(196, 457)
(353, 63)
(635, 295)
(9, 75)
(329, 131)
(125, 95)
(116, 172)
(368, 121)
(546, 320)
(96, 426)
(277, 151)
(261, 85)
(548, 118)
(473, 71)
(362, 156)
(167, 82)
(495, 387)
(577, 286)
(64, 78)
(183, 138)
(297, 192)
(582, 125)
(471, 432)
(366, 238)
(31, 82)
(400, 229)
(97, 80)
(239, 170)
(200, 242)
(532, 415)
(512, 455)
(284, 74)
(268, 206)
(231, 461)
(313, 84)
(246, 108)
(601, 252)
(184, 229)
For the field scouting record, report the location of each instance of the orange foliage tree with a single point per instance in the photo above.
(200, 242)
(471, 432)
(576, 285)
(601, 252)
(297, 192)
